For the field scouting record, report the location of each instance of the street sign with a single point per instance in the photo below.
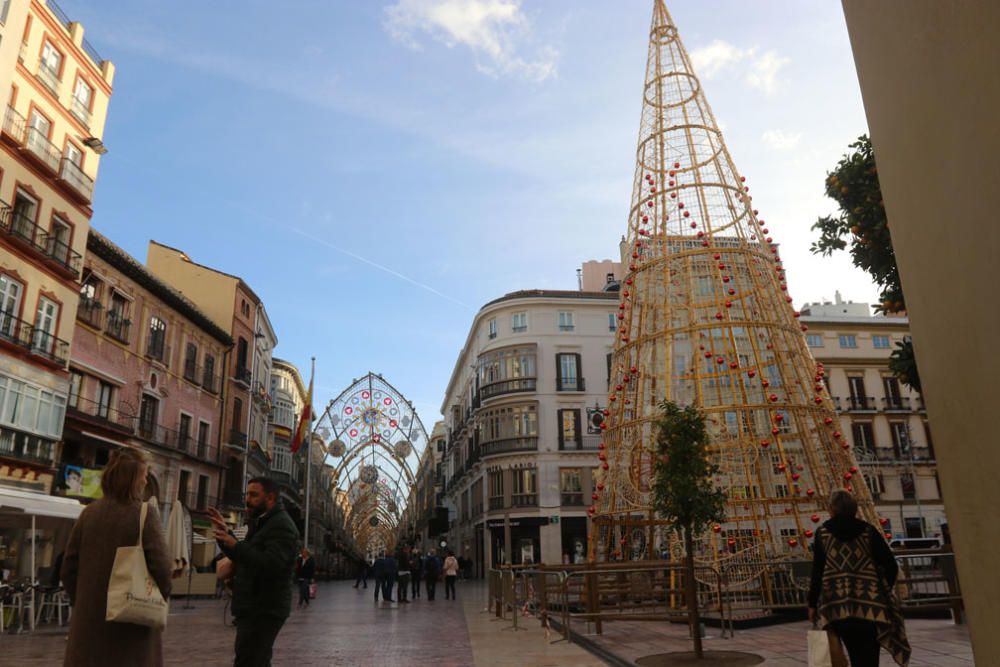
(554, 519)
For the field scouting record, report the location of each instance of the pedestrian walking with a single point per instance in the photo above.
(305, 572)
(263, 567)
(403, 578)
(851, 592)
(103, 526)
(450, 574)
(416, 573)
(363, 567)
(378, 571)
(389, 580)
(432, 570)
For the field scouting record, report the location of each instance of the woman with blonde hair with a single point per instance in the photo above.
(103, 526)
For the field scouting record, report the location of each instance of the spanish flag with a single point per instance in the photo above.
(305, 421)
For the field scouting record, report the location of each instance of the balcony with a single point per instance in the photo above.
(196, 500)
(80, 112)
(524, 500)
(13, 126)
(23, 232)
(571, 384)
(496, 503)
(49, 78)
(507, 387)
(243, 376)
(523, 444)
(896, 404)
(103, 414)
(117, 326)
(79, 183)
(209, 380)
(38, 146)
(861, 404)
(586, 443)
(571, 499)
(155, 433)
(156, 348)
(90, 311)
(37, 342)
(237, 437)
(26, 447)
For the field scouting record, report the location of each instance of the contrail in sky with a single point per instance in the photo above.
(380, 267)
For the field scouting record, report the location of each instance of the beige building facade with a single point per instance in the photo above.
(884, 420)
(57, 91)
(522, 414)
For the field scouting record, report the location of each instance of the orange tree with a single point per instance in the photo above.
(862, 227)
(683, 492)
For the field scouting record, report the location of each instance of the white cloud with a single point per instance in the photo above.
(490, 28)
(764, 71)
(780, 140)
(717, 56)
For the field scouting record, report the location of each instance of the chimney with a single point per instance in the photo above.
(579, 279)
(837, 299)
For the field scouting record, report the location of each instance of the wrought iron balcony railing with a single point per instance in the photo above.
(507, 387)
(59, 252)
(529, 443)
(80, 111)
(118, 326)
(209, 380)
(97, 410)
(570, 384)
(37, 342)
(39, 145)
(896, 403)
(26, 446)
(71, 173)
(48, 78)
(14, 125)
(90, 311)
(861, 404)
(243, 376)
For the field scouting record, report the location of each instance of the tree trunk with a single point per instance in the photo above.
(692, 593)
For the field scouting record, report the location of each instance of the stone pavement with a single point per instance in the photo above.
(344, 627)
(935, 643)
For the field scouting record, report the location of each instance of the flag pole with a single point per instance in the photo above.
(312, 421)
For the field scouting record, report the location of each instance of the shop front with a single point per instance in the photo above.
(34, 530)
(525, 545)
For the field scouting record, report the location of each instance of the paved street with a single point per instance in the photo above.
(344, 627)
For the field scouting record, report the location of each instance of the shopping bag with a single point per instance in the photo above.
(312, 591)
(819, 648)
(133, 596)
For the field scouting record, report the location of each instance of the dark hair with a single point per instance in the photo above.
(266, 483)
(842, 503)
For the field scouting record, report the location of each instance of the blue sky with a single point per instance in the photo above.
(377, 170)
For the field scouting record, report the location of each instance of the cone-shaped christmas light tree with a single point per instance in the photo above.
(705, 319)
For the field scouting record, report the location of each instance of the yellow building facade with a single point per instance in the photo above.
(57, 91)
(885, 421)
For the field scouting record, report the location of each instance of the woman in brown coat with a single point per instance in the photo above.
(103, 526)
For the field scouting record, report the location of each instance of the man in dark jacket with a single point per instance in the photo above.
(416, 573)
(264, 563)
(432, 570)
(389, 580)
(378, 571)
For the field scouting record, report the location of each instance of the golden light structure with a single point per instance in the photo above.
(705, 319)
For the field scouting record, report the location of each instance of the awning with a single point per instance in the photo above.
(37, 504)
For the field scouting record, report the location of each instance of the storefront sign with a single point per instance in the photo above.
(516, 522)
(82, 482)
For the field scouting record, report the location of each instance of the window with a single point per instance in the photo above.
(183, 484)
(75, 387)
(30, 408)
(118, 322)
(237, 416)
(570, 486)
(242, 352)
(22, 221)
(927, 437)
(814, 340)
(202, 491)
(148, 409)
(493, 328)
(4, 8)
(183, 432)
(900, 439)
(208, 374)
(880, 342)
(858, 399)
(509, 427)
(519, 322)
(496, 489)
(83, 94)
(864, 437)
(876, 484)
(105, 393)
(73, 154)
(565, 321)
(568, 373)
(43, 336)
(10, 303)
(49, 67)
(38, 136)
(569, 429)
(505, 371)
(612, 322)
(156, 345)
(191, 362)
(909, 486)
(57, 246)
(204, 431)
(524, 490)
(848, 340)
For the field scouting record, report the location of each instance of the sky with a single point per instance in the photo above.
(377, 170)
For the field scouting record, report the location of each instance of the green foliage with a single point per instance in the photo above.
(683, 492)
(863, 225)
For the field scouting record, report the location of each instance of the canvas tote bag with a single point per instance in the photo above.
(133, 596)
(819, 648)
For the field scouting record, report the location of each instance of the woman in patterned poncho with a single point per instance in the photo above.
(851, 592)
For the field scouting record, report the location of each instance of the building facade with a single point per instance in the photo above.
(234, 306)
(145, 372)
(885, 421)
(288, 396)
(522, 413)
(58, 90)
